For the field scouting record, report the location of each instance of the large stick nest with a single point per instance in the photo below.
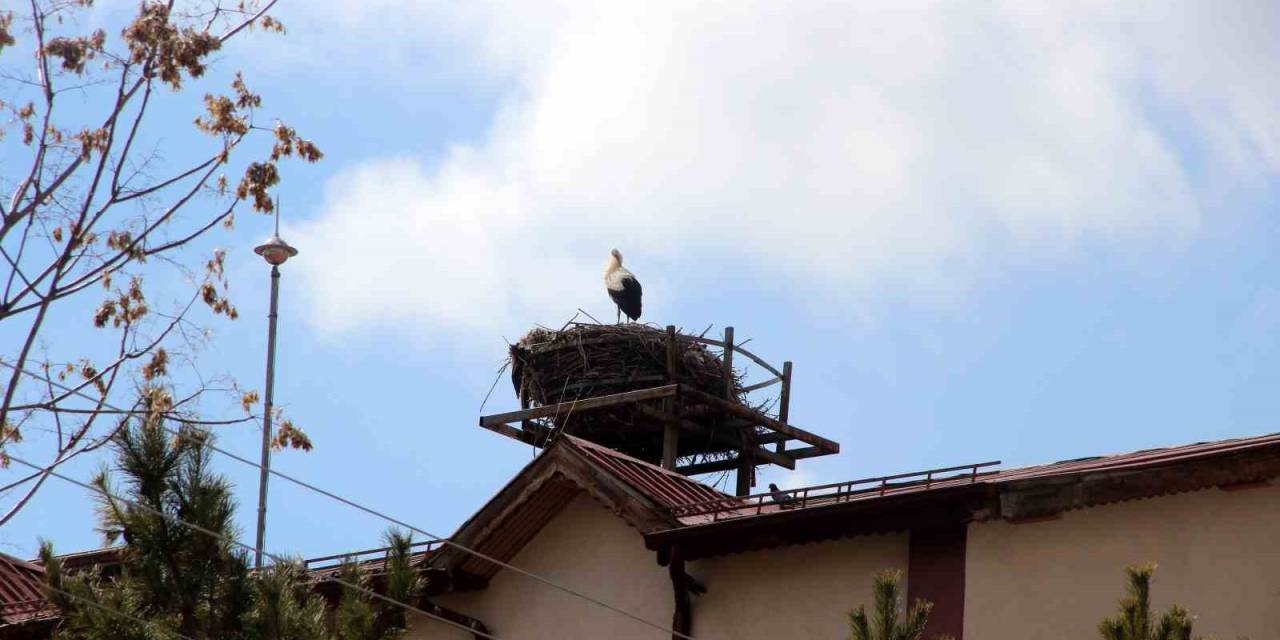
(588, 360)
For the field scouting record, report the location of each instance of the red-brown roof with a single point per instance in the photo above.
(703, 512)
(665, 506)
(1144, 458)
(100, 557)
(664, 487)
(642, 494)
(21, 591)
(1016, 494)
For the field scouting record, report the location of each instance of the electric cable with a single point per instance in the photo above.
(217, 536)
(113, 610)
(377, 514)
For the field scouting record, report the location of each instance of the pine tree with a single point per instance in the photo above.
(886, 623)
(360, 616)
(1133, 621)
(181, 581)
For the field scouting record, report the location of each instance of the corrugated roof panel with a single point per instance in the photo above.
(1142, 458)
(664, 487)
(21, 590)
(1146, 458)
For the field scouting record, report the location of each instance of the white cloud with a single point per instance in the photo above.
(863, 148)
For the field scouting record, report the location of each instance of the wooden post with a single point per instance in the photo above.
(784, 402)
(670, 428)
(746, 465)
(728, 363)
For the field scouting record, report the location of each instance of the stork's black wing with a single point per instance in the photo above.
(628, 298)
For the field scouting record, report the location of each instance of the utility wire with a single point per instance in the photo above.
(218, 536)
(396, 521)
(122, 614)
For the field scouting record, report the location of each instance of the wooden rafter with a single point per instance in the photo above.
(529, 426)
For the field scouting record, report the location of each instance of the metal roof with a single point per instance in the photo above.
(664, 487)
(1139, 459)
(21, 591)
(709, 511)
(503, 526)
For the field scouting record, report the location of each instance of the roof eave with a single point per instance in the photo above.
(1013, 500)
(937, 507)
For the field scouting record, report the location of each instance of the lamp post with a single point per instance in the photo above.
(275, 251)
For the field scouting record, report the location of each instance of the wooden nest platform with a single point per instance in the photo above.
(661, 396)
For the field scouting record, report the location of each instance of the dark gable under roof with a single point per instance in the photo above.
(640, 493)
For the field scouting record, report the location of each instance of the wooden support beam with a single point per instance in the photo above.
(670, 430)
(830, 446)
(760, 385)
(728, 362)
(771, 437)
(746, 468)
(792, 455)
(753, 357)
(700, 468)
(708, 467)
(725, 438)
(806, 452)
(585, 404)
(512, 432)
(784, 401)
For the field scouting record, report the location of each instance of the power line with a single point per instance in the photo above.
(396, 521)
(112, 610)
(218, 536)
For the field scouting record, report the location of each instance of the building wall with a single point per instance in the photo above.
(586, 548)
(1218, 554)
(800, 592)
(792, 592)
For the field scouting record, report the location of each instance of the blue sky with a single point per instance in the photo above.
(1016, 232)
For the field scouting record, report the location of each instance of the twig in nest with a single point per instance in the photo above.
(494, 385)
(580, 310)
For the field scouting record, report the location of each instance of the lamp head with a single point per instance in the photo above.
(275, 251)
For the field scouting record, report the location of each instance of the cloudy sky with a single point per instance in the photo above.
(1012, 231)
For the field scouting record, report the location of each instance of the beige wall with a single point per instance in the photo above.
(792, 592)
(589, 549)
(1218, 551)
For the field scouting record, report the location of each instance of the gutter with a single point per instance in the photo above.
(930, 508)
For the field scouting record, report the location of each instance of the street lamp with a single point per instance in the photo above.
(275, 251)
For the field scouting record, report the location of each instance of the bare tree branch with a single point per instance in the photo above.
(75, 218)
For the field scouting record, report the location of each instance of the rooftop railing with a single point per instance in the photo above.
(825, 494)
(368, 555)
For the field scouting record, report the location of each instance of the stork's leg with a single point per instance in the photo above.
(618, 317)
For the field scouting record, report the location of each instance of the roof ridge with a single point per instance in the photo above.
(1145, 450)
(25, 564)
(663, 486)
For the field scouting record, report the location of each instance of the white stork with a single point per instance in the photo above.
(622, 286)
